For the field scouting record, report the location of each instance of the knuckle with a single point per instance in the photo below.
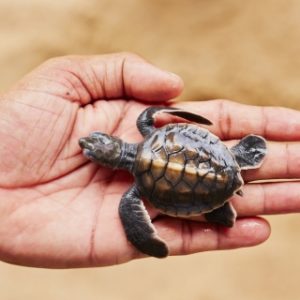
(225, 119)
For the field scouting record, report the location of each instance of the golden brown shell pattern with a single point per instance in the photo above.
(184, 170)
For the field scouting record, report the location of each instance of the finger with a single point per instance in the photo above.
(268, 198)
(186, 237)
(87, 78)
(281, 162)
(233, 121)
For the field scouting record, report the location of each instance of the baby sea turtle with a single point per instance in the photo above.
(183, 170)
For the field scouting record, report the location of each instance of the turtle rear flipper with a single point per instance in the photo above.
(138, 227)
(224, 215)
(250, 151)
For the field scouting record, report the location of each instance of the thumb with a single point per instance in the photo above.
(85, 79)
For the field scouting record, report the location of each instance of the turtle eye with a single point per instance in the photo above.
(105, 140)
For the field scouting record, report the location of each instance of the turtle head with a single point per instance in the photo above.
(102, 148)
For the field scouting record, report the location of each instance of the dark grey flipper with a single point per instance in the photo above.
(224, 215)
(145, 122)
(250, 151)
(138, 227)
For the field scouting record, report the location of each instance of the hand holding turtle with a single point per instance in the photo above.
(58, 210)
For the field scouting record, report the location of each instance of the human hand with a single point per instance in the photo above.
(58, 210)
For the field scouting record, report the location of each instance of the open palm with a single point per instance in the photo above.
(59, 210)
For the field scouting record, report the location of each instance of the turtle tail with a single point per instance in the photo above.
(250, 151)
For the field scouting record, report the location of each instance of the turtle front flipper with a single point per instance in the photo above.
(250, 151)
(138, 227)
(145, 122)
(224, 215)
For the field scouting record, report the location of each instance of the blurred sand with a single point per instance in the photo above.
(246, 51)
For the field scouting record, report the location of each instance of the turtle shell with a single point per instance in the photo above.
(185, 170)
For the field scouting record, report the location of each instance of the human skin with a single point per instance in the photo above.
(58, 210)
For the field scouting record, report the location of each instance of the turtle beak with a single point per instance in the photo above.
(86, 143)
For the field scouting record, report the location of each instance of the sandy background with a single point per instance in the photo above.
(246, 51)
